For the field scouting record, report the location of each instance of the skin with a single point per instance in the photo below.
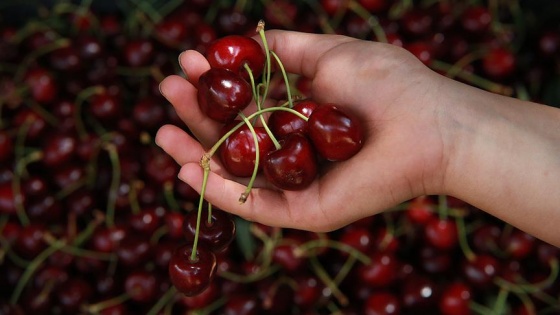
(425, 134)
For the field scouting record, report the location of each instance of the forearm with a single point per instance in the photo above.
(505, 159)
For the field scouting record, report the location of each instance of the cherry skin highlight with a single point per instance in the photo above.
(233, 52)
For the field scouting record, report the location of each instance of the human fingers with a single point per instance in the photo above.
(182, 95)
(301, 52)
(193, 64)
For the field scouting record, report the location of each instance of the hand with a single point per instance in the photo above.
(395, 96)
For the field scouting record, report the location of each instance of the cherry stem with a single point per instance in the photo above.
(59, 43)
(89, 229)
(80, 99)
(164, 300)
(501, 301)
(247, 191)
(170, 196)
(115, 181)
(371, 20)
(209, 219)
(532, 287)
(329, 243)
(100, 306)
(474, 79)
(463, 242)
(345, 269)
(20, 168)
(443, 210)
(5, 250)
(205, 164)
(285, 76)
(328, 281)
(264, 271)
(32, 267)
(266, 77)
(133, 195)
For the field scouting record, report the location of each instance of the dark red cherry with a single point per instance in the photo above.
(203, 299)
(476, 19)
(191, 277)
(42, 84)
(282, 122)
(59, 149)
(6, 145)
(419, 292)
(441, 233)
(7, 198)
(293, 166)
(31, 240)
(238, 152)
(499, 63)
(222, 94)
(232, 52)
(138, 52)
(141, 285)
(242, 304)
(335, 134)
(518, 244)
(382, 303)
(215, 235)
(481, 271)
(286, 255)
(455, 299)
(74, 294)
(382, 271)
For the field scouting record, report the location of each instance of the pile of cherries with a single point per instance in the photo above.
(93, 219)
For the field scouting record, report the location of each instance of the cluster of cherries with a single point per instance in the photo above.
(93, 219)
(295, 137)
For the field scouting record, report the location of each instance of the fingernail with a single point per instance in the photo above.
(181, 65)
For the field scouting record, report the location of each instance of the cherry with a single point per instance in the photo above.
(382, 303)
(73, 294)
(203, 299)
(293, 166)
(222, 94)
(308, 291)
(417, 22)
(66, 59)
(480, 271)
(336, 135)
(374, 6)
(420, 210)
(233, 52)
(45, 210)
(485, 239)
(286, 255)
(549, 43)
(147, 220)
(418, 293)
(149, 113)
(106, 107)
(499, 63)
(476, 19)
(282, 122)
(441, 233)
(333, 7)
(455, 299)
(42, 84)
(518, 244)
(359, 238)
(7, 199)
(59, 149)
(31, 240)
(216, 234)
(133, 250)
(238, 152)
(141, 285)
(138, 52)
(241, 304)
(172, 32)
(191, 277)
(107, 239)
(381, 272)
(422, 50)
(435, 261)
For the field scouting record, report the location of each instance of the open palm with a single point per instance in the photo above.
(387, 88)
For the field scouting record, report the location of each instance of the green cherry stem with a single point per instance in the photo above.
(371, 20)
(443, 209)
(115, 180)
(205, 164)
(266, 77)
(463, 242)
(80, 99)
(100, 306)
(285, 76)
(164, 300)
(247, 191)
(322, 243)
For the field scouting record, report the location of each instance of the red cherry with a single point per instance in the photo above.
(140, 285)
(293, 166)
(420, 210)
(455, 299)
(238, 152)
(422, 50)
(480, 271)
(282, 122)
(59, 149)
(233, 52)
(215, 235)
(222, 94)
(381, 272)
(286, 255)
(203, 299)
(139, 52)
(42, 84)
(441, 233)
(335, 134)
(188, 276)
(476, 19)
(518, 244)
(382, 303)
(499, 63)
